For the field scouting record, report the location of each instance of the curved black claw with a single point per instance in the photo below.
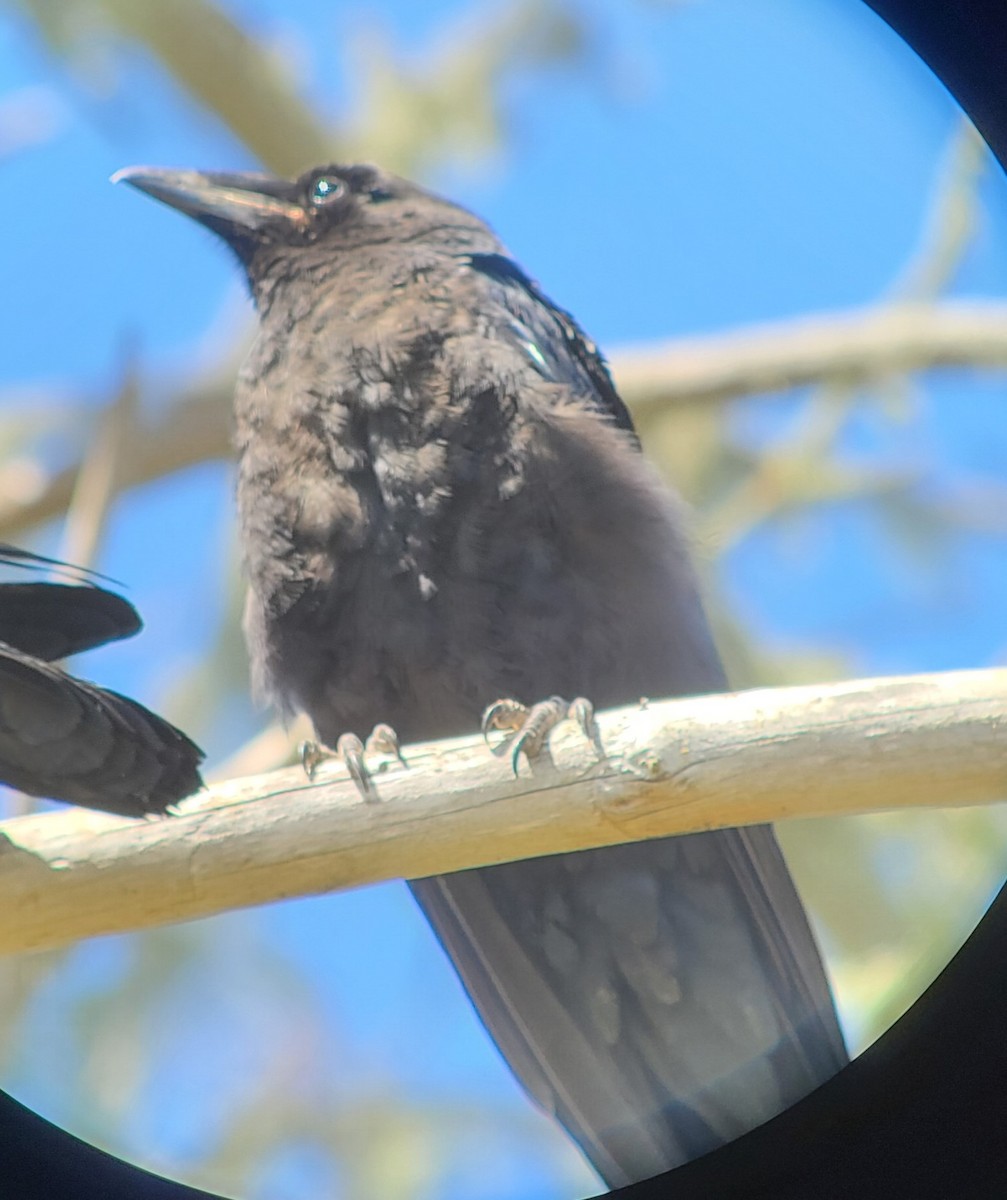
(507, 715)
(311, 754)
(581, 710)
(350, 749)
(530, 727)
(352, 752)
(384, 740)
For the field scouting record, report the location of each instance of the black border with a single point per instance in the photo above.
(923, 1113)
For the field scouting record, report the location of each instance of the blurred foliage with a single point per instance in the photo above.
(446, 102)
(218, 64)
(887, 932)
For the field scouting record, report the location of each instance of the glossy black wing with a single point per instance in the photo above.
(66, 739)
(55, 620)
(551, 337)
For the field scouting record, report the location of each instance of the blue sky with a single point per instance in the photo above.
(723, 162)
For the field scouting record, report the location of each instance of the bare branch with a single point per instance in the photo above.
(234, 75)
(194, 430)
(672, 767)
(96, 483)
(845, 348)
(849, 347)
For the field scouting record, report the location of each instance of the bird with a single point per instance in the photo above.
(64, 738)
(443, 504)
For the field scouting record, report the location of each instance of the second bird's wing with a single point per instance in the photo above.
(66, 739)
(55, 620)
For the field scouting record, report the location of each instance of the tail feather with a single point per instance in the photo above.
(660, 998)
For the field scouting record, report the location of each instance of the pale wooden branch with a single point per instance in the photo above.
(846, 347)
(672, 767)
(96, 482)
(193, 430)
(851, 347)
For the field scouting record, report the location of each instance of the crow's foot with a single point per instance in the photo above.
(352, 753)
(529, 728)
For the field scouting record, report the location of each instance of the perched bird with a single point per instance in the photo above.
(442, 504)
(66, 739)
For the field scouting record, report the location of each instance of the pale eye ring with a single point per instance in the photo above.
(327, 188)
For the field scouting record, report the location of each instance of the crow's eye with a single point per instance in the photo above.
(327, 188)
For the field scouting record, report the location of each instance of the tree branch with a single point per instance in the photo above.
(852, 347)
(193, 430)
(672, 767)
(835, 348)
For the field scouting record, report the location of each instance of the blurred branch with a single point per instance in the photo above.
(850, 348)
(272, 747)
(671, 767)
(798, 470)
(214, 61)
(96, 482)
(232, 74)
(950, 224)
(447, 100)
(840, 348)
(445, 103)
(194, 429)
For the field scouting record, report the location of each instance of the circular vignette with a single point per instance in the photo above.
(935, 1072)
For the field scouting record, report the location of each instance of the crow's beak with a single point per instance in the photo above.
(232, 205)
